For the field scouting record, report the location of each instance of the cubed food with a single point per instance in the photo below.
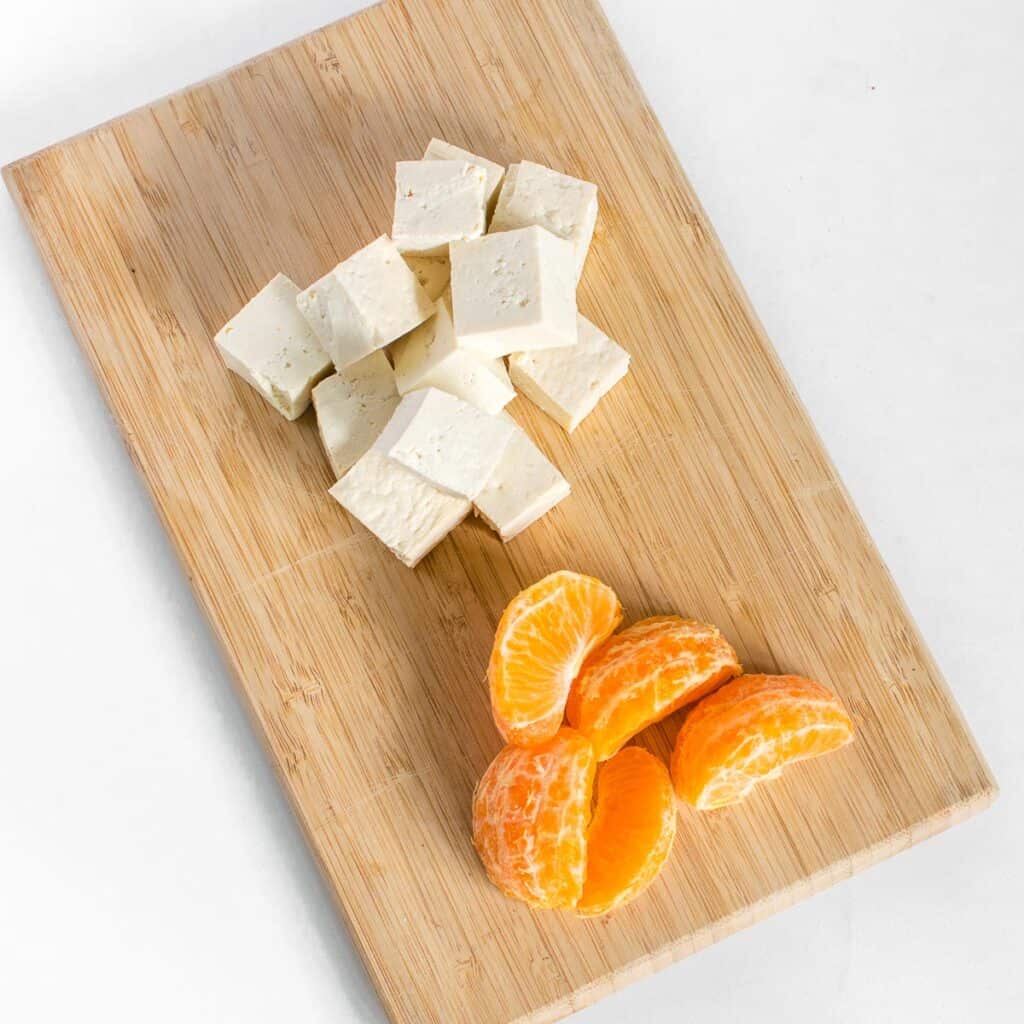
(417, 326)
(437, 202)
(514, 292)
(524, 486)
(566, 206)
(270, 346)
(438, 149)
(365, 303)
(432, 272)
(451, 444)
(398, 506)
(352, 408)
(568, 383)
(430, 357)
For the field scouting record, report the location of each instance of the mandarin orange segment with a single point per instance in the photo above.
(748, 731)
(631, 835)
(542, 641)
(644, 673)
(530, 816)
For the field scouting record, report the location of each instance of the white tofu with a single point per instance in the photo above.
(397, 506)
(364, 303)
(353, 407)
(568, 383)
(438, 149)
(429, 357)
(432, 272)
(534, 194)
(269, 345)
(437, 202)
(523, 487)
(514, 292)
(450, 443)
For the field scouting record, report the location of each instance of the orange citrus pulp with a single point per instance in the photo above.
(631, 835)
(748, 731)
(643, 674)
(542, 641)
(531, 809)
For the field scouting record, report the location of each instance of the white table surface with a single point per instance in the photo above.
(862, 162)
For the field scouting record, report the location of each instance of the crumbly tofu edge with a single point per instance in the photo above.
(583, 233)
(319, 304)
(453, 445)
(526, 469)
(432, 272)
(352, 407)
(531, 384)
(437, 202)
(438, 149)
(429, 357)
(343, 321)
(477, 379)
(531, 306)
(292, 402)
(398, 507)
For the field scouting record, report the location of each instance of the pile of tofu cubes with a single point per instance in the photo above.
(402, 348)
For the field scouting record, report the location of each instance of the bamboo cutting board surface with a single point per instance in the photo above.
(699, 487)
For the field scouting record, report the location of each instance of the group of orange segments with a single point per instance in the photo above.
(540, 834)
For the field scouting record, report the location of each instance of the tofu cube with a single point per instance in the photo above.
(432, 272)
(534, 194)
(364, 303)
(353, 407)
(270, 346)
(437, 202)
(429, 357)
(438, 149)
(514, 292)
(523, 487)
(450, 443)
(398, 507)
(568, 383)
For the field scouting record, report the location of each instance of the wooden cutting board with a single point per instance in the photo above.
(699, 487)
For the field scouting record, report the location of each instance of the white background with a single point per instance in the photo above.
(862, 162)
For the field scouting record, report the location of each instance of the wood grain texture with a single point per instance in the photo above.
(699, 487)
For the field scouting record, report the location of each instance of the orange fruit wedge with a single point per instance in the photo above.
(644, 673)
(542, 641)
(748, 731)
(631, 835)
(530, 814)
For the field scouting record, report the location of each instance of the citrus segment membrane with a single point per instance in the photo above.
(748, 731)
(544, 637)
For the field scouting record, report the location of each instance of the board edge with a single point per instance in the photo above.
(813, 885)
(10, 174)
(771, 352)
(956, 813)
(7, 169)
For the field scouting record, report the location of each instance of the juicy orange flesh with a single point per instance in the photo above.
(643, 674)
(748, 731)
(631, 834)
(530, 816)
(542, 641)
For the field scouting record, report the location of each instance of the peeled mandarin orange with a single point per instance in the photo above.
(542, 641)
(631, 835)
(644, 673)
(748, 731)
(530, 816)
